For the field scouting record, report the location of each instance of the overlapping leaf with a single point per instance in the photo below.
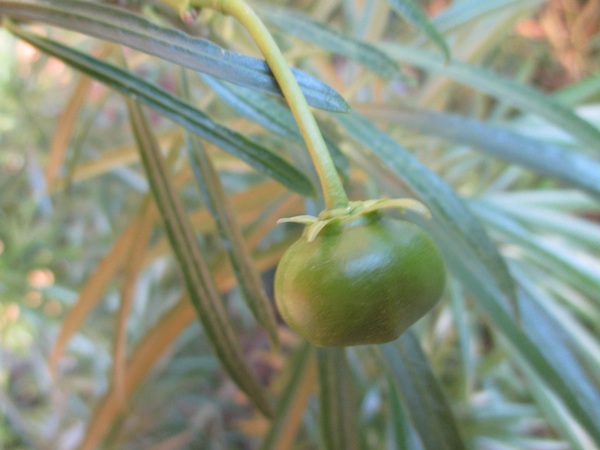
(271, 115)
(508, 91)
(177, 110)
(123, 27)
(445, 206)
(423, 397)
(571, 266)
(548, 159)
(302, 378)
(153, 345)
(544, 356)
(473, 259)
(460, 13)
(329, 39)
(229, 229)
(199, 282)
(338, 426)
(415, 15)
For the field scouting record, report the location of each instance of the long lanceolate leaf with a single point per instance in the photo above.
(545, 356)
(458, 232)
(460, 13)
(302, 377)
(272, 115)
(131, 271)
(218, 204)
(177, 110)
(518, 95)
(559, 350)
(582, 274)
(199, 283)
(425, 401)
(445, 206)
(415, 15)
(542, 157)
(323, 36)
(118, 25)
(155, 342)
(338, 429)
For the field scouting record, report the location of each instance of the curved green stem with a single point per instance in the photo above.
(333, 190)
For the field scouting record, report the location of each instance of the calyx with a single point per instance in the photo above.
(352, 211)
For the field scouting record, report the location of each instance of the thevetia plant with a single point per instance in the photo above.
(354, 277)
(514, 336)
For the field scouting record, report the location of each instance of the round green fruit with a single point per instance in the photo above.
(363, 281)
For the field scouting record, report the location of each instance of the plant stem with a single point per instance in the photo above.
(331, 184)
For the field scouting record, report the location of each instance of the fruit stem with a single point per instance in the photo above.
(331, 184)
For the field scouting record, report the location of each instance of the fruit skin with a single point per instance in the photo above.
(364, 281)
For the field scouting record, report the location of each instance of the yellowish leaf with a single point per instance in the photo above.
(151, 347)
(133, 266)
(66, 122)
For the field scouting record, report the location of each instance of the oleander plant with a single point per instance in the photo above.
(333, 224)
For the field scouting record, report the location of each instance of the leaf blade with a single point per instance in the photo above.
(153, 345)
(547, 254)
(410, 11)
(426, 403)
(521, 96)
(131, 270)
(537, 354)
(200, 285)
(337, 411)
(293, 401)
(215, 198)
(474, 270)
(321, 35)
(441, 200)
(461, 13)
(271, 115)
(180, 112)
(549, 159)
(118, 25)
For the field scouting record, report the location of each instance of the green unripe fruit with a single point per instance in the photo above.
(363, 281)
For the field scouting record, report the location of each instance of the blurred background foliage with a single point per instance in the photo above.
(98, 344)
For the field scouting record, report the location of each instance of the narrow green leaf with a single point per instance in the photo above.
(465, 336)
(547, 220)
(580, 333)
(222, 212)
(198, 279)
(541, 353)
(338, 427)
(410, 11)
(581, 273)
(321, 35)
(425, 401)
(546, 158)
(293, 401)
(396, 417)
(524, 97)
(567, 200)
(177, 110)
(555, 412)
(272, 115)
(549, 337)
(460, 238)
(118, 25)
(460, 13)
(446, 208)
(579, 92)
